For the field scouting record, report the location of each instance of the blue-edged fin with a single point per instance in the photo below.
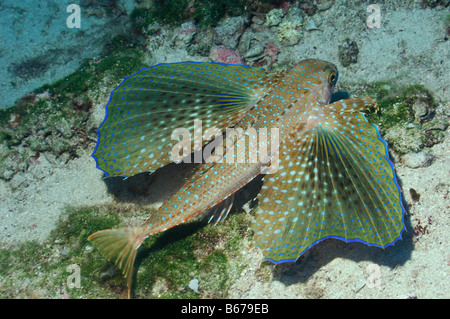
(120, 246)
(148, 106)
(335, 180)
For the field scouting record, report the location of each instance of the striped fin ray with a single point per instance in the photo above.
(335, 181)
(148, 106)
(221, 210)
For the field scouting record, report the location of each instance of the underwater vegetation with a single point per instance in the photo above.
(39, 270)
(167, 263)
(435, 3)
(406, 116)
(55, 118)
(204, 12)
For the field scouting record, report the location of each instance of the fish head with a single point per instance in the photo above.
(318, 79)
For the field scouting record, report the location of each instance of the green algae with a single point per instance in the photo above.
(171, 12)
(82, 222)
(55, 117)
(90, 77)
(396, 104)
(205, 13)
(165, 265)
(42, 267)
(398, 118)
(141, 18)
(179, 255)
(210, 12)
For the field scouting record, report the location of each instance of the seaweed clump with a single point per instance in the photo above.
(406, 118)
(55, 117)
(435, 3)
(166, 263)
(205, 13)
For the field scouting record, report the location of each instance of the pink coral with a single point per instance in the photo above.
(222, 54)
(272, 51)
(285, 6)
(188, 29)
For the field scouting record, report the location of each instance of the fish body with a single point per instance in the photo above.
(328, 174)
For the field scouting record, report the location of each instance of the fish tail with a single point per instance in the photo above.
(120, 246)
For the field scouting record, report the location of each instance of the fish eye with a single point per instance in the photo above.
(332, 78)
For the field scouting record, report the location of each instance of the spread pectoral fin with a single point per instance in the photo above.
(144, 111)
(335, 181)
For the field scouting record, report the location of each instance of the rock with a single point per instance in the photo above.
(405, 140)
(421, 102)
(274, 17)
(409, 295)
(11, 164)
(256, 50)
(109, 273)
(311, 24)
(348, 53)
(290, 31)
(202, 43)
(416, 160)
(230, 31)
(420, 108)
(311, 7)
(258, 20)
(19, 180)
(185, 34)
(323, 5)
(437, 126)
(223, 54)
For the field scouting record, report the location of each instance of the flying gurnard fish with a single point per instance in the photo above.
(334, 178)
